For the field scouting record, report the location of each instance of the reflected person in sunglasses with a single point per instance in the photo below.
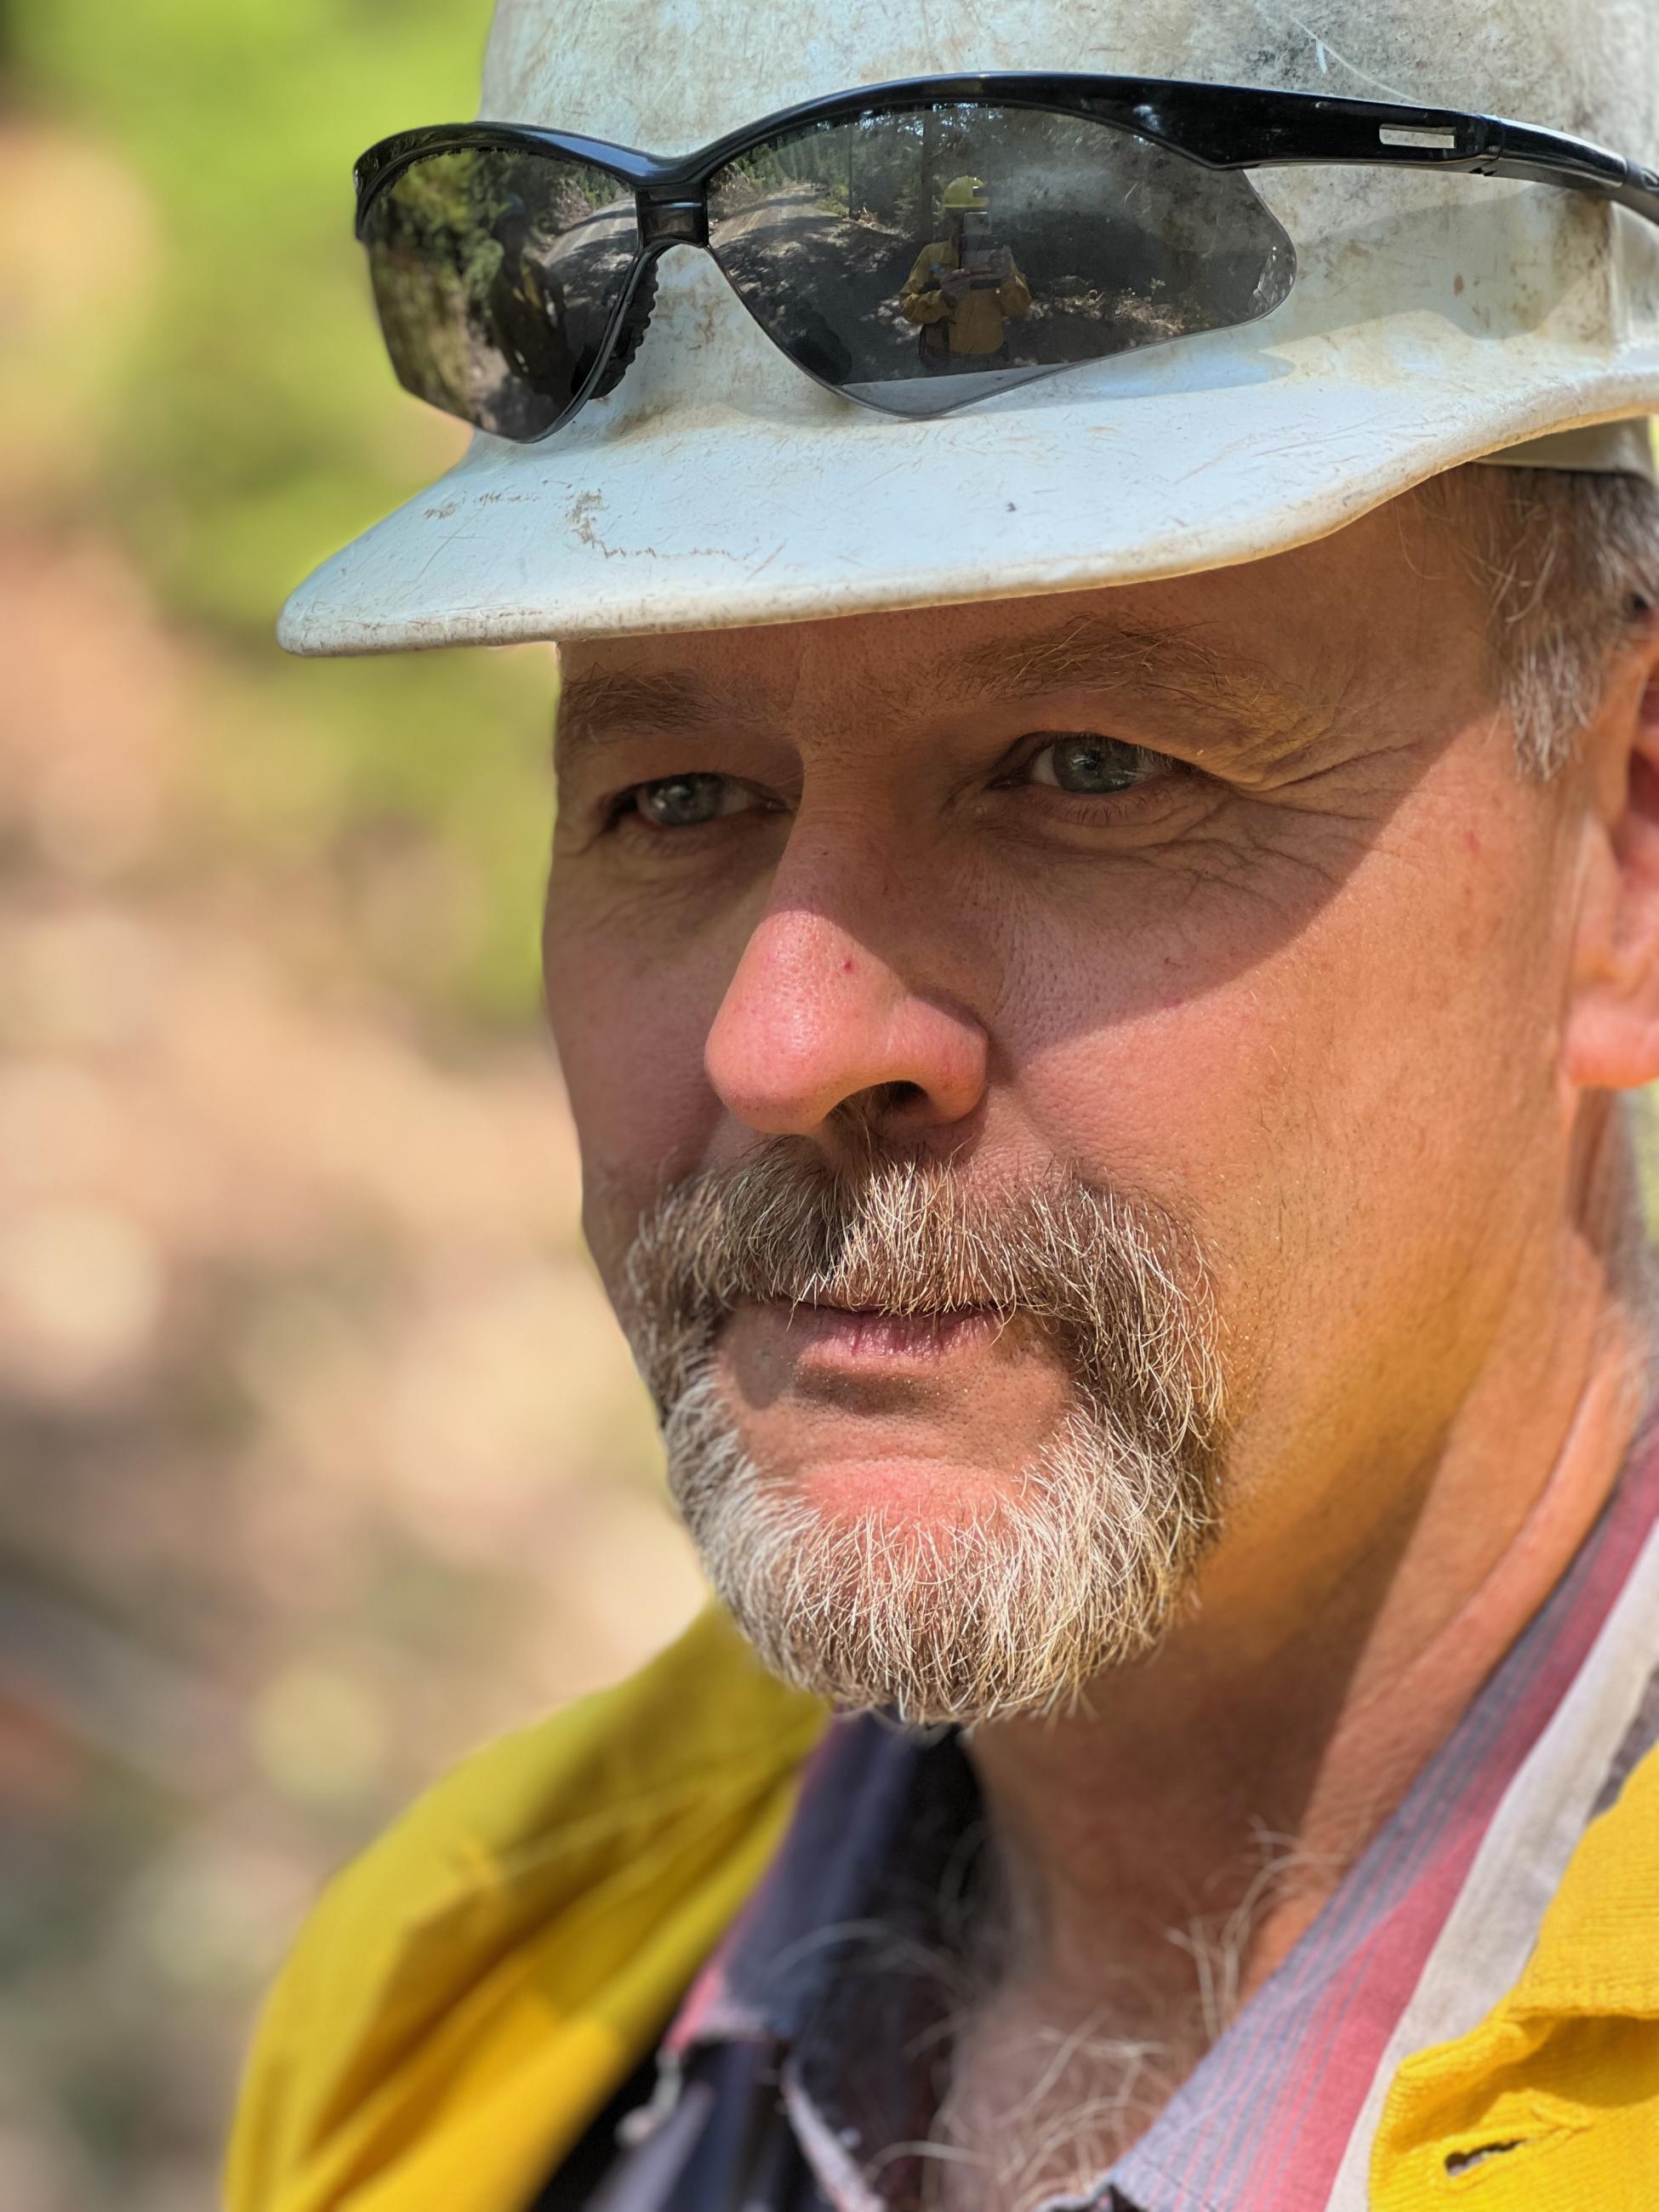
(965, 287)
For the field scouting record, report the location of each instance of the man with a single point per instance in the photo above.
(1099, 1032)
(964, 288)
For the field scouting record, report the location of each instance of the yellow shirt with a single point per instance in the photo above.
(471, 1990)
(1565, 2068)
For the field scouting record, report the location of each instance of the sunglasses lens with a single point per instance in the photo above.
(496, 273)
(923, 258)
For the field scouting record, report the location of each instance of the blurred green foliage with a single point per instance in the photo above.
(248, 423)
(331, 1489)
(260, 423)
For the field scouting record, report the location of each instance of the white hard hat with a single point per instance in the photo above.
(1436, 318)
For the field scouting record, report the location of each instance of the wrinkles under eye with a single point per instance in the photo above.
(1085, 765)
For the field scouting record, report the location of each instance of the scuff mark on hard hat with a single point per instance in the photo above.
(580, 517)
(1325, 51)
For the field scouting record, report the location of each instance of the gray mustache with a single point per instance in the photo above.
(1114, 1282)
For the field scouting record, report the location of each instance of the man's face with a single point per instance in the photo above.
(1216, 907)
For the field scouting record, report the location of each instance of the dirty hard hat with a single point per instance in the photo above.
(962, 193)
(1407, 292)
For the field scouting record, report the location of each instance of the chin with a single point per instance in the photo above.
(940, 1591)
(900, 1491)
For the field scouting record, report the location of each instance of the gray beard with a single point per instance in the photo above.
(1015, 1608)
(1016, 1604)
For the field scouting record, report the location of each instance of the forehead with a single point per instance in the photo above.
(1387, 595)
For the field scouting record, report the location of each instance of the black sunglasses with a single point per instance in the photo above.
(916, 245)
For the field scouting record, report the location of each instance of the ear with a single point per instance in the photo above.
(1611, 1039)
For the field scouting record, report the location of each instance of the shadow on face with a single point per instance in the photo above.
(1224, 893)
(995, 866)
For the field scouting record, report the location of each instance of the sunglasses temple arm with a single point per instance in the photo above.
(1638, 190)
(1628, 183)
(1516, 150)
(1371, 135)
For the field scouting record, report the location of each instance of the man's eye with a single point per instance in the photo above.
(1095, 765)
(685, 802)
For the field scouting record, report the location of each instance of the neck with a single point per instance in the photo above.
(1298, 1705)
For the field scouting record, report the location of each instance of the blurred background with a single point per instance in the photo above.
(320, 1457)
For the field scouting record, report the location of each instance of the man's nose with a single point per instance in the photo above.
(813, 1020)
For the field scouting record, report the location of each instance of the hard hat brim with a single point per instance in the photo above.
(718, 486)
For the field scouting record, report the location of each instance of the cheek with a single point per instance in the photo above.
(1337, 1109)
(630, 1032)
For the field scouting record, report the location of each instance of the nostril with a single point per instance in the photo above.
(866, 1109)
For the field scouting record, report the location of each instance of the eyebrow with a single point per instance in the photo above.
(593, 708)
(1239, 696)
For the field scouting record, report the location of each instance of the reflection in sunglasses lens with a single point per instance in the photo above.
(923, 258)
(496, 273)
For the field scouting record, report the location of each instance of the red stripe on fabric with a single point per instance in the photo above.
(1356, 2014)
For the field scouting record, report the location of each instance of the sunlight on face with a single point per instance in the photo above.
(1161, 898)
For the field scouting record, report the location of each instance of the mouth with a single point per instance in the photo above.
(848, 1341)
(865, 1409)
